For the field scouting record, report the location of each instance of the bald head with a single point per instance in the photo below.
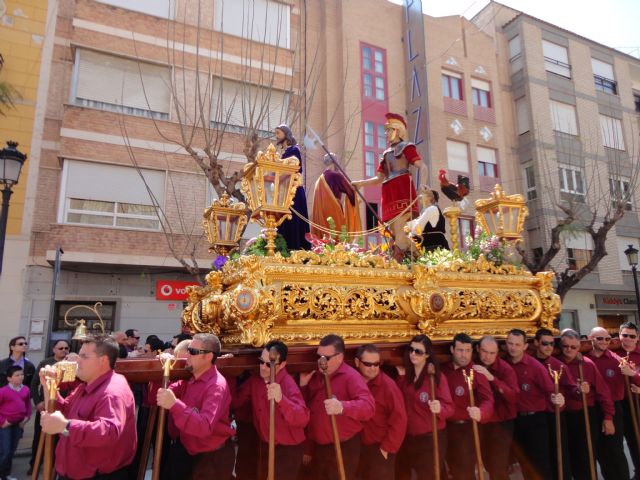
(598, 331)
(119, 337)
(600, 339)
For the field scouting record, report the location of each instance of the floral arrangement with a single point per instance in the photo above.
(258, 245)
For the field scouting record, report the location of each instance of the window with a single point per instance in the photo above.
(157, 8)
(379, 88)
(262, 21)
(119, 199)
(522, 115)
(373, 72)
(452, 85)
(369, 163)
(515, 54)
(368, 85)
(465, 230)
(107, 311)
(578, 258)
(603, 77)
(611, 129)
(571, 180)
(118, 84)
(568, 319)
(487, 163)
(382, 138)
(636, 101)
(556, 59)
(458, 156)
(242, 105)
(481, 93)
(372, 222)
(563, 118)
(368, 134)
(530, 183)
(620, 192)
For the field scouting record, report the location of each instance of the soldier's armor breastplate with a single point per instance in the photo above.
(395, 161)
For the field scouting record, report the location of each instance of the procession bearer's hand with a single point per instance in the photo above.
(53, 423)
(305, 378)
(557, 399)
(435, 406)
(166, 399)
(274, 392)
(484, 371)
(474, 413)
(608, 428)
(628, 369)
(585, 388)
(333, 406)
(635, 388)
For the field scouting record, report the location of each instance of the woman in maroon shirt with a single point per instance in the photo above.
(416, 452)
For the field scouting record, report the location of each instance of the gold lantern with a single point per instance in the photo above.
(224, 222)
(502, 215)
(269, 184)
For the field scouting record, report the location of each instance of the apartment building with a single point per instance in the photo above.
(575, 105)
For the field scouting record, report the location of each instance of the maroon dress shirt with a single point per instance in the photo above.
(416, 401)
(598, 388)
(459, 389)
(505, 391)
(535, 385)
(389, 424)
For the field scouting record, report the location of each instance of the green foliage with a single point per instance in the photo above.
(258, 246)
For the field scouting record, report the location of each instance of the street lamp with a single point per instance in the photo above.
(632, 258)
(11, 161)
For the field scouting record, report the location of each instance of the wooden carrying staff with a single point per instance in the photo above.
(587, 426)
(555, 375)
(323, 363)
(64, 372)
(273, 358)
(474, 424)
(431, 370)
(167, 361)
(146, 443)
(632, 406)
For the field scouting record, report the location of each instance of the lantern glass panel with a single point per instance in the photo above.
(10, 171)
(233, 228)
(269, 187)
(283, 188)
(223, 234)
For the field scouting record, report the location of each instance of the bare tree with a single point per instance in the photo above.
(596, 196)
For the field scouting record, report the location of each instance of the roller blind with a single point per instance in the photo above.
(158, 8)
(259, 20)
(112, 183)
(522, 115)
(611, 129)
(451, 74)
(602, 69)
(238, 103)
(480, 84)
(563, 117)
(457, 156)
(120, 81)
(487, 155)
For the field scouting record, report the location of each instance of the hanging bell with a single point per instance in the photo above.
(81, 331)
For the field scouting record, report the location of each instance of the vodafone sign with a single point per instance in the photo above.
(172, 290)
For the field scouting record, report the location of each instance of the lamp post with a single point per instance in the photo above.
(11, 161)
(632, 258)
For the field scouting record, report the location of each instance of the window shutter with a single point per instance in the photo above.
(563, 117)
(487, 155)
(555, 52)
(480, 84)
(602, 69)
(458, 156)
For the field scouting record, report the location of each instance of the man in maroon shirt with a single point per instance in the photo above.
(536, 390)
(291, 415)
(462, 459)
(610, 451)
(497, 432)
(544, 343)
(629, 350)
(199, 416)
(97, 421)
(382, 436)
(352, 404)
(600, 419)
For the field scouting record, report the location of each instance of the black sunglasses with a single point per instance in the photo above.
(21, 344)
(417, 351)
(628, 335)
(62, 348)
(198, 351)
(266, 362)
(328, 357)
(546, 344)
(606, 339)
(370, 364)
(570, 347)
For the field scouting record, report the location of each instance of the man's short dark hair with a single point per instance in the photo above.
(543, 332)
(518, 333)
(210, 342)
(105, 345)
(569, 333)
(462, 338)
(13, 369)
(182, 336)
(130, 333)
(154, 343)
(629, 325)
(333, 340)
(280, 347)
(367, 348)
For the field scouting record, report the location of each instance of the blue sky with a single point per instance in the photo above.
(615, 23)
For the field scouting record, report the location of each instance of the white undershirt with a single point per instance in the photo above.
(428, 215)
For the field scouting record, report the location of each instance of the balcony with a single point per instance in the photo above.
(485, 114)
(457, 107)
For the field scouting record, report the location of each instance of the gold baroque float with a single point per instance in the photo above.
(366, 298)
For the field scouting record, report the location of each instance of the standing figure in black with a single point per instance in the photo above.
(429, 227)
(293, 230)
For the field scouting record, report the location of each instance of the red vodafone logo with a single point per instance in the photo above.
(172, 289)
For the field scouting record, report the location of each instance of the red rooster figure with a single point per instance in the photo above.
(455, 193)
